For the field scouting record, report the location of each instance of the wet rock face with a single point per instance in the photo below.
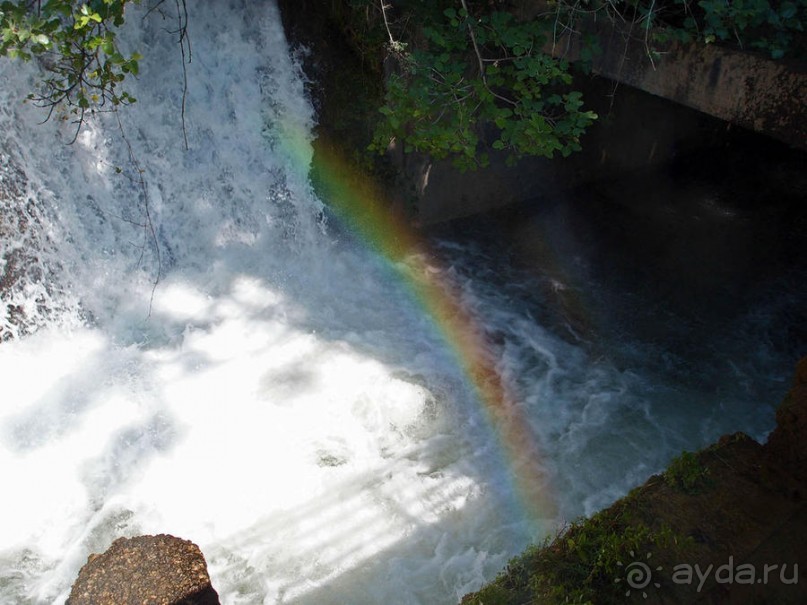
(145, 570)
(788, 442)
(30, 290)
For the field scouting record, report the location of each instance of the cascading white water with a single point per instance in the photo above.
(278, 398)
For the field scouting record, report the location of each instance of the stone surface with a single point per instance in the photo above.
(634, 130)
(145, 570)
(788, 442)
(746, 89)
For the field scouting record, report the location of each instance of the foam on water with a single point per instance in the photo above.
(277, 400)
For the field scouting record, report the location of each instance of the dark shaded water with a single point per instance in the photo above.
(688, 282)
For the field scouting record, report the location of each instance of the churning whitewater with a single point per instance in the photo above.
(274, 398)
(196, 350)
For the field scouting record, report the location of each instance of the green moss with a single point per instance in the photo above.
(585, 563)
(686, 473)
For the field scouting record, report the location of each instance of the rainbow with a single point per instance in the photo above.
(359, 203)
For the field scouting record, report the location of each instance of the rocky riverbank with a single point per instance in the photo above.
(723, 525)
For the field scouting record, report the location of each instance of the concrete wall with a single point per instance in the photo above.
(745, 89)
(634, 130)
(650, 112)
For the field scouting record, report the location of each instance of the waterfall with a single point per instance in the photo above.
(192, 347)
(205, 358)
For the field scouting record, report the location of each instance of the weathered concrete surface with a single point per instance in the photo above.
(145, 570)
(441, 192)
(746, 89)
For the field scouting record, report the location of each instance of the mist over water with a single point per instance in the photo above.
(279, 397)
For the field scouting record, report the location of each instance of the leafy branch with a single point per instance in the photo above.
(774, 27)
(476, 83)
(77, 45)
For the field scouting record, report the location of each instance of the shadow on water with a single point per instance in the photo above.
(695, 271)
(362, 550)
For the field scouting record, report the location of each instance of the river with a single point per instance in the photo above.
(200, 346)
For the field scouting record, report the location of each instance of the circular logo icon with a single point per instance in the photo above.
(638, 575)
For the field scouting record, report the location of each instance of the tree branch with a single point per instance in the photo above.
(479, 58)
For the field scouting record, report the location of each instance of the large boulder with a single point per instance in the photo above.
(145, 570)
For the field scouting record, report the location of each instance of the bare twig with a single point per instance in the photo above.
(648, 23)
(384, 8)
(149, 224)
(156, 7)
(480, 60)
(182, 17)
(185, 50)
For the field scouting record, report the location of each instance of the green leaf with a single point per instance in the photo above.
(787, 10)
